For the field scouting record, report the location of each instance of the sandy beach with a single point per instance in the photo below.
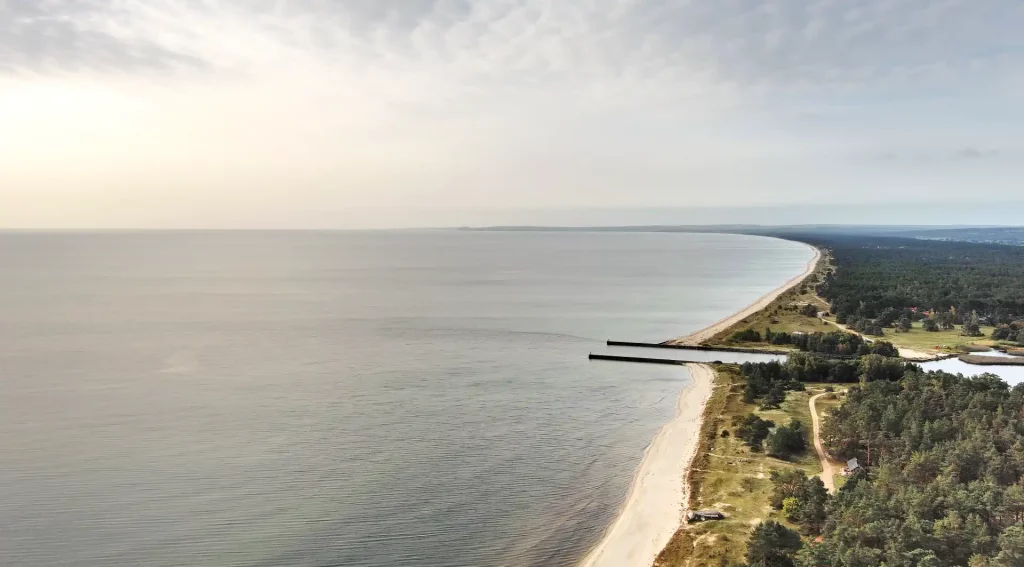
(658, 496)
(654, 507)
(708, 332)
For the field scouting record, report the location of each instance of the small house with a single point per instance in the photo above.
(706, 515)
(851, 466)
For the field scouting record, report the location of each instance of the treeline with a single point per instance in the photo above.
(874, 274)
(943, 482)
(836, 343)
(768, 382)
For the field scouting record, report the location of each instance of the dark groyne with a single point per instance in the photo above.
(742, 350)
(637, 359)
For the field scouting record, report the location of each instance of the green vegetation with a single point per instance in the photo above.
(951, 340)
(801, 498)
(942, 485)
(878, 273)
(765, 380)
(787, 440)
(835, 343)
(729, 476)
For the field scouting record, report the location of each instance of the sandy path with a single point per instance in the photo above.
(907, 353)
(654, 507)
(708, 332)
(827, 471)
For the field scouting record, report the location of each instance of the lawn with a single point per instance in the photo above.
(729, 477)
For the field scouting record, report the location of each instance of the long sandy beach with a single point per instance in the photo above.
(657, 499)
(708, 332)
(653, 509)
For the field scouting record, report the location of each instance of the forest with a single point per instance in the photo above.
(942, 482)
(875, 274)
(942, 476)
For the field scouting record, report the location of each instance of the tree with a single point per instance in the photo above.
(874, 367)
(946, 319)
(1020, 337)
(787, 440)
(1011, 548)
(883, 348)
(931, 325)
(972, 325)
(809, 310)
(746, 336)
(753, 430)
(887, 317)
(785, 484)
(775, 396)
(904, 324)
(772, 545)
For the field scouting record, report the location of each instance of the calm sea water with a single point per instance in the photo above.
(357, 399)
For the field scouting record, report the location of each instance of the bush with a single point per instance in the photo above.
(752, 430)
(747, 336)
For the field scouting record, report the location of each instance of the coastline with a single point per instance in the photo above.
(706, 333)
(653, 508)
(660, 493)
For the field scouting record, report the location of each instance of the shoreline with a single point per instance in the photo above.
(706, 333)
(659, 494)
(656, 500)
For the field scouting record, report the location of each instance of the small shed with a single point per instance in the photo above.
(705, 515)
(851, 466)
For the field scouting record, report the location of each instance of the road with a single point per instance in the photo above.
(827, 470)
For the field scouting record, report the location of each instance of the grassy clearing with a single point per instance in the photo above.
(938, 342)
(728, 476)
(942, 341)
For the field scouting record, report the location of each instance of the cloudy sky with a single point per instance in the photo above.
(356, 113)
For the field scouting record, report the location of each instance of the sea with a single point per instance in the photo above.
(358, 399)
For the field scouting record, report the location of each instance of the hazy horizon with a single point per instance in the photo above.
(984, 214)
(365, 114)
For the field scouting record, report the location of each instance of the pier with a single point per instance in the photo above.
(637, 359)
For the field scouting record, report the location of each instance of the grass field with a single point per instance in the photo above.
(938, 342)
(942, 341)
(729, 477)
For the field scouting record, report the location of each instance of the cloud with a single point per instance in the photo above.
(206, 104)
(687, 47)
(971, 152)
(45, 35)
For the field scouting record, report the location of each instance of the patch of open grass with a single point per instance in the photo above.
(726, 475)
(950, 341)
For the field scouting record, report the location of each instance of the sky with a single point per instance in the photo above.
(378, 113)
